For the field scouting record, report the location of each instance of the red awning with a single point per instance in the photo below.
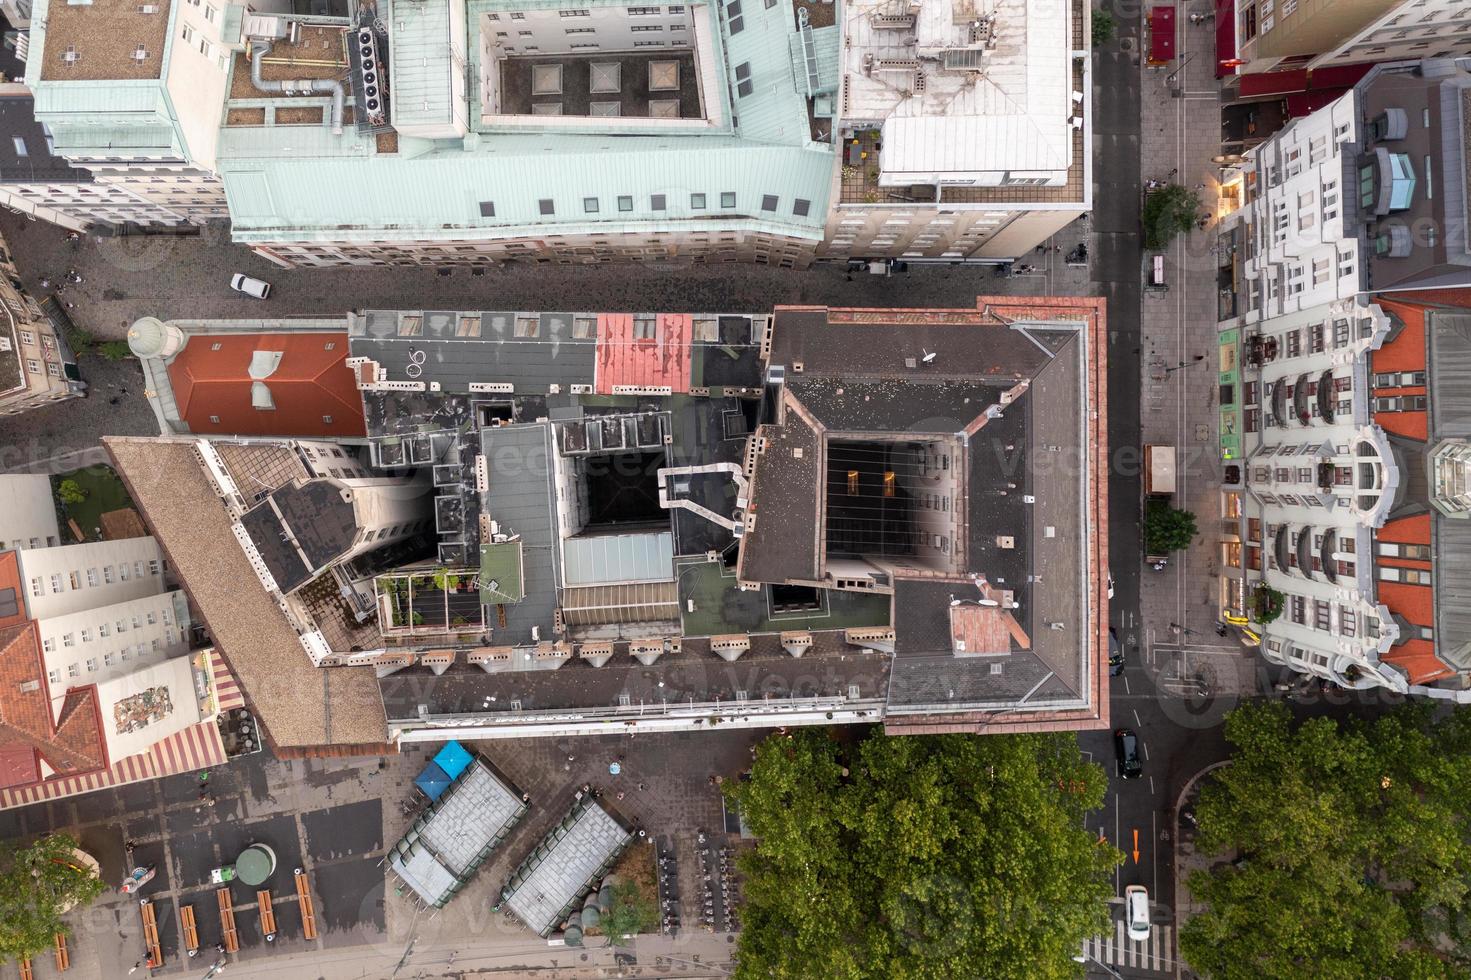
(1225, 38)
(1274, 82)
(1301, 104)
(1338, 76)
(1161, 35)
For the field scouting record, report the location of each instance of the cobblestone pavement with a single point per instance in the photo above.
(61, 437)
(124, 278)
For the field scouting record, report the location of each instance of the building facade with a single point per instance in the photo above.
(1344, 275)
(37, 366)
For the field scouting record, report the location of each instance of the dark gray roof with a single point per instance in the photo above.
(1453, 591)
(882, 349)
(694, 674)
(520, 499)
(923, 406)
(308, 518)
(785, 501)
(1448, 335)
(553, 356)
(18, 119)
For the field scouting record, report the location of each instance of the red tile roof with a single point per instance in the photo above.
(662, 361)
(211, 379)
(70, 744)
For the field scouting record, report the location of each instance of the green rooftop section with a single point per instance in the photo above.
(501, 578)
(720, 607)
(754, 169)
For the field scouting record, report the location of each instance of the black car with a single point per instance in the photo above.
(1126, 746)
(1115, 654)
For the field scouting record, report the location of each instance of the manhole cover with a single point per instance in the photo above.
(1126, 44)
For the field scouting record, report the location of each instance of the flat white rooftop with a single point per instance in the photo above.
(961, 87)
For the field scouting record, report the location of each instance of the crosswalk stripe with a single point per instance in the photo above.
(1153, 953)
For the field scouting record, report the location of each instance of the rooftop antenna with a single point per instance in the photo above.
(929, 355)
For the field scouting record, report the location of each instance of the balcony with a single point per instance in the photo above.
(1300, 403)
(1305, 551)
(1325, 554)
(1279, 400)
(1260, 350)
(1327, 397)
(1282, 548)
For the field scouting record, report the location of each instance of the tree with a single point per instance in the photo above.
(1352, 847)
(1103, 27)
(1168, 212)
(1266, 603)
(71, 492)
(923, 856)
(38, 884)
(630, 913)
(1167, 529)
(115, 350)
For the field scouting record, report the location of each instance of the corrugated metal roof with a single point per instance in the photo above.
(610, 558)
(1450, 376)
(420, 63)
(1453, 590)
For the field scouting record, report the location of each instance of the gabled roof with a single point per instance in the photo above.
(70, 744)
(211, 378)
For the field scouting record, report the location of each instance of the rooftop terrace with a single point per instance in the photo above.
(113, 40)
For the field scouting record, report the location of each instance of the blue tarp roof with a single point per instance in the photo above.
(433, 781)
(453, 759)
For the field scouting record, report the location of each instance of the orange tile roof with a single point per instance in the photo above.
(211, 379)
(70, 744)
(1418, 658)
(662, 361)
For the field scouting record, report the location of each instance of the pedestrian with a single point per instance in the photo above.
(45, 283)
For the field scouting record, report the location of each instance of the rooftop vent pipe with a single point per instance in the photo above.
(305, 86)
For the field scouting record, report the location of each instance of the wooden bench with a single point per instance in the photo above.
(150, 934)
(191, 931)
(267, 915)
(308, 910)
(228, 935)
(63, 958)
(25, 970)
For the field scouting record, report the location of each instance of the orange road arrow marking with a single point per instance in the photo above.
(1136, 847)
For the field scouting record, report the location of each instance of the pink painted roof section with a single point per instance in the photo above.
(662, 361)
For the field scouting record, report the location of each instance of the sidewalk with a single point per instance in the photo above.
(1179, 405)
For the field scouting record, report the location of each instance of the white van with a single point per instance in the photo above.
(258, 288)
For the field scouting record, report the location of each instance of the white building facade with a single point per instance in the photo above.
(1409, 29)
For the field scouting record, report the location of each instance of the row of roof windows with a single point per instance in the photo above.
(674, 9)
(770, 203)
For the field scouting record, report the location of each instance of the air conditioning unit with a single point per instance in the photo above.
(70, 56)
(140, 53)
(148, 8)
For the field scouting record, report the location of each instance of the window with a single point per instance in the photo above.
(54, 676)
(72, 670)
(644, 28)
(801, 207)
(187, 33)
(744, 86)
(122, 626)
(697, 202)
(1409, 576)
(546, 206)
(581, 30)
(1322, 615)
(56, 586)
(487, 209)
(727, 199)
(574, 13)
(625, 203)
(107, 574)
(644, 11)
(656, 202)
(26, 337)
(768, 202)
(123, 572)
(104, 630)
(733, 17)
(91, 665)
(590, 205)
(68, 639)
(38, 587)
(517, 15)
(152, 618)
(20, 146)
(209, 13)
(1429, 184)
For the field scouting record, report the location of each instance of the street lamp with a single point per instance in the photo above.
(1170, 78)
(1183, 364)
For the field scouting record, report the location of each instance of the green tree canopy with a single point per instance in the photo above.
(37, 882)
(71, 492)
(1104, 27)
(630, 912)
(1168, 212)
(1167, 529)
(1345, 849)
(921, 857)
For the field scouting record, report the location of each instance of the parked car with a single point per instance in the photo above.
(1115, 654)
(1136, 912)
(1126, 746)
(250, 286)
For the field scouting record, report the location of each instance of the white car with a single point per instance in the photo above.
(258, 288)
(1136, 912)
